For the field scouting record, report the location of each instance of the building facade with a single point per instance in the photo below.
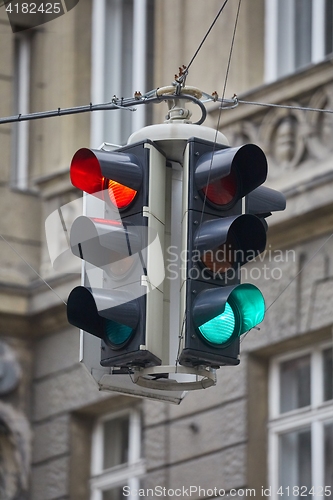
(266, 428)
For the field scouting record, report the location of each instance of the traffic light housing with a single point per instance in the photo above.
(123, 249)
(218, 237)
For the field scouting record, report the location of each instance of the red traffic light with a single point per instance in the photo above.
(85, 172)
(98, 172)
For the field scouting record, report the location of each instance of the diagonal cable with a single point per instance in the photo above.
(205, 37)
(221, 107)
(32, 268)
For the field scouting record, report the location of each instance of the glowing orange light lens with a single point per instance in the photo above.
(120, 195)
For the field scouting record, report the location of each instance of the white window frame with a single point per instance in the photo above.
(315, 416)
(128, 474)
(139, 48)
(271, 37)
(20, 175)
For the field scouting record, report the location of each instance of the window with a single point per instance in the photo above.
(116, 456)
(301, 424)
(298, 32)
(122, 41)
(22, 55)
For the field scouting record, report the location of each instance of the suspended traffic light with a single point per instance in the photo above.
(125, 245)
(218, 238)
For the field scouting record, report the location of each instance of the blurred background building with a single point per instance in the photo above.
(268, 423)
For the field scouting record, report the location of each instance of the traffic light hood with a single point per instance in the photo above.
(102, 242)
(246, 166)
(240, 238)
(89, 169)
(263, 201)
(88, 309)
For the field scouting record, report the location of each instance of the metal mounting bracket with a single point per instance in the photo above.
(152, 378)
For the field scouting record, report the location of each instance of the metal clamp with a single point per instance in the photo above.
(151, 378)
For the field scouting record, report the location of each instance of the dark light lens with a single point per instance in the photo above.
(222, 191)
(116, 333)
(120, 266)
(219, 260)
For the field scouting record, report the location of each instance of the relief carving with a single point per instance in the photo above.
(320, 141)
(15, 435)
(283, 134)
(15, 451)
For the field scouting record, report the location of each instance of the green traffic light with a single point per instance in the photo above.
(220, 329)
(116, 333)
(223, 314)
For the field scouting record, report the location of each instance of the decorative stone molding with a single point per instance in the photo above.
(15, 453)
(15, 436)
(10, 372)
(320, 140)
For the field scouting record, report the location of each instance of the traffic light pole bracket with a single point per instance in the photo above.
(206, 377)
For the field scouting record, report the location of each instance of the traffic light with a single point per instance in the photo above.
(121, 301)
(217, 238)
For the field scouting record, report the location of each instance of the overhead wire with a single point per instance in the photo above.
(221, 108)
(184, 75)
(226, 104)
(123, 104)
(283, 106)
